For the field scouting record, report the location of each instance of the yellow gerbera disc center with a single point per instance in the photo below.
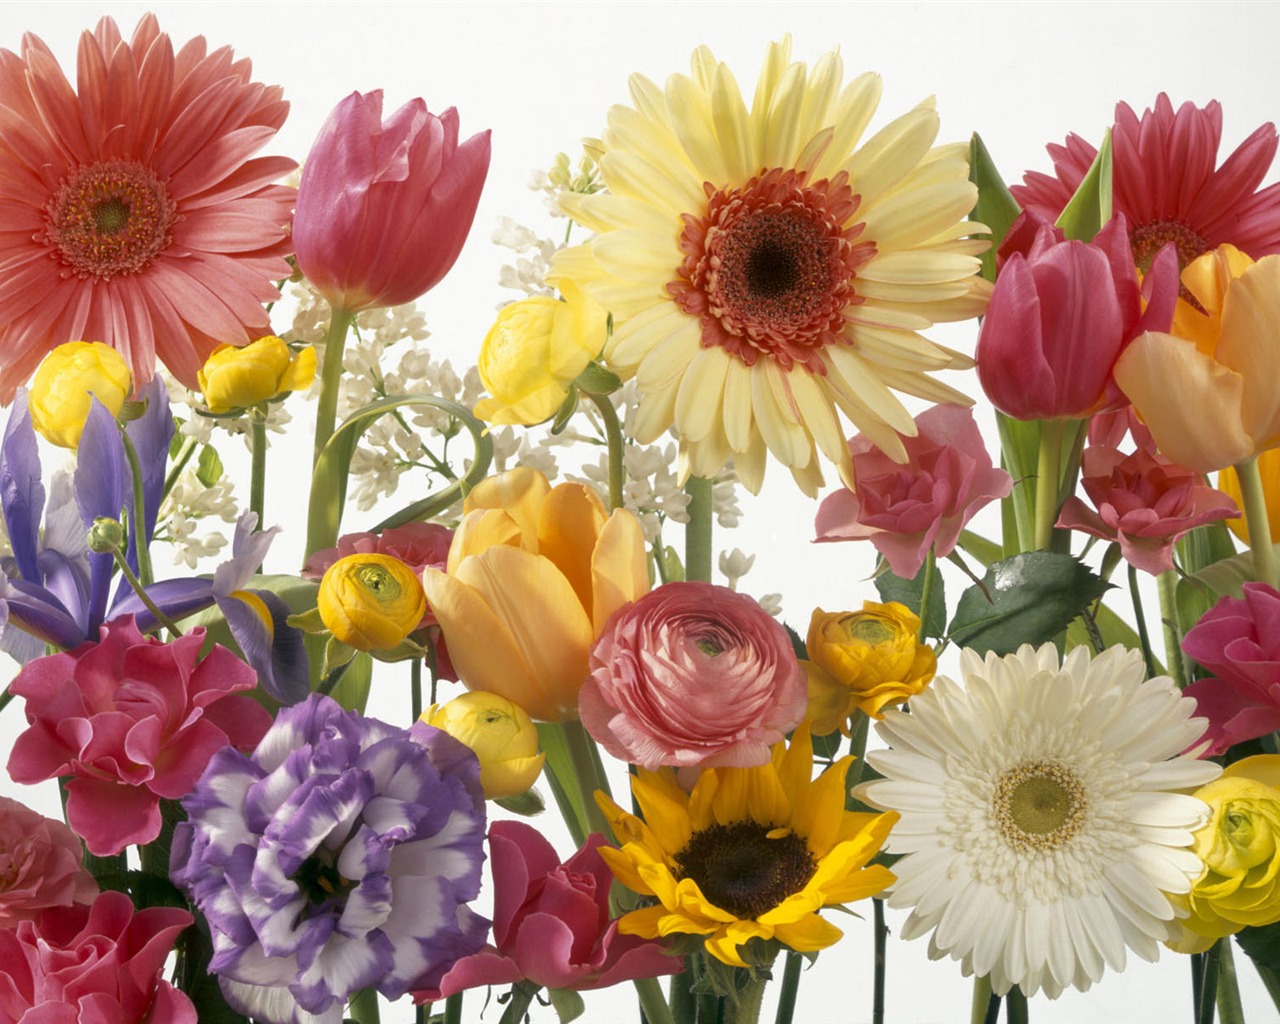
(1039, 805)
(746, 868)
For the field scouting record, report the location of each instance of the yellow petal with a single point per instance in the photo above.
(480, 530)
(568, 524)
(619, 567)
(1250, 345)
(519, 492)
(808, 935)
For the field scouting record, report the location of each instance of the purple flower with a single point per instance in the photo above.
(339, 856)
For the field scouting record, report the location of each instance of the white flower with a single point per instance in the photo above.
(734, 565)
(1041, 820)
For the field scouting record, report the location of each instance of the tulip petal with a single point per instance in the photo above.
(569, 521)
(480, 530)
(519, 492)
(619, 567)
(1250, 345)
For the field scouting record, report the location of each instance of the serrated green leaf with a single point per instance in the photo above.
(996, 207)
(1027, 599)
(909, 592)
(208, 466)
(1090, 207)
(568, 1003)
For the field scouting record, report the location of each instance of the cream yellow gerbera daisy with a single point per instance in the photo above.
(764, 270)
(750, 853)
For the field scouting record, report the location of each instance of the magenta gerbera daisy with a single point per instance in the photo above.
(130, 210)
(1167, 183)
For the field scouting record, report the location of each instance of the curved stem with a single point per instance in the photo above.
(1141, 620)
(613, 434)
(1255, 517)
(327, 409)
(697, 534)
(139, 510)
(258, 465)
(143, 596)
(522, 993)
(926, 592)
(651, 1001)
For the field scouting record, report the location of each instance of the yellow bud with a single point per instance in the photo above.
(503, 737)
(66, 383)
(234, 377)
(371, 602)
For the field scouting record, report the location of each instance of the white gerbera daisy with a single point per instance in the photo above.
(1041, 819)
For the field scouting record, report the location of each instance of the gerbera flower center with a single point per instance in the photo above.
(769, 267)
(109, 219)
(746, 868)
(1039, 805)
(1148, 239)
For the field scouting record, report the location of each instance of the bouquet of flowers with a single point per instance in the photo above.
(748, 276)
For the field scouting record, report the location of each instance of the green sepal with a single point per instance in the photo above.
(672, 568)
(526, 804)
(568, 1004)
(996, 207)
(131, 411)
(336, 655)
(596, 380)
(565, 413)
(1090, 207)
(405, 650)
(308, 621)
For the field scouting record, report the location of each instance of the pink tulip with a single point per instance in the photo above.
(383, 209)
(1060, 315)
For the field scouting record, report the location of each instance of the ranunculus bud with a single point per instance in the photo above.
(502, 736)
(233, 377)
(68, 381)
(105, 535)
(370, 602)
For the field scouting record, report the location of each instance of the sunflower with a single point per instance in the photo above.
(1042, 825)
(749, 853)
(764, 270)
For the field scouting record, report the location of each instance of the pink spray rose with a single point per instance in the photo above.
(1238, 641)
(39, 865)
(1143, 501)
(689, 675)
(906, 509)
(131, 720)
(551, 922)
(93, 965)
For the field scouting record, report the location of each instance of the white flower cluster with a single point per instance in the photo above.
(184, 508)
(529, 272)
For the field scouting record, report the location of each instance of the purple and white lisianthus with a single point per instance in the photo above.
(339, 856)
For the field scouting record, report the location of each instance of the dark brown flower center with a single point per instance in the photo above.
(746, 868)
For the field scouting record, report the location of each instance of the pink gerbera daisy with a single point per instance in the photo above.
(130, 212)
(1166, 184)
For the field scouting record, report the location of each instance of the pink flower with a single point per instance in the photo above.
(132, 721)
(906, 509)
(383, 209)
(39, 865)
(551, 922)
(132, 213)
(689, 675)
(1238, 642)
(1143, 501)
(93, 965)
(1060, 315)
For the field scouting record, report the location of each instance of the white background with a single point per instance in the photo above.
(543, 75)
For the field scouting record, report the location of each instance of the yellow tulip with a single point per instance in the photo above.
(534, 573)
(370, 602)
(233, 377)
(500, 734)
(1269, 471)
(1210, 392)
(68, 380)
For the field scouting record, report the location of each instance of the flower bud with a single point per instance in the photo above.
(370, 602)
(233, 377)
(105, 535)
(66, 383)
(502, 736)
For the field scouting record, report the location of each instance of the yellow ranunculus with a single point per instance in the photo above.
(1240, 847)
(502, 736)
(534, 573)
(66, 383)
(1269, 471)
(863, 660)
(533, 352)
(371, 602)
(234, 377)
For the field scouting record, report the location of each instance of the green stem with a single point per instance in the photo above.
(586, 771)
(617, 447)
(1048, 484)
(258, 466)
(881, 936)
(1141, 620)
(857, 747)
(453, 1009)
(981, 1000)
(139, 510)
(651, 1002)
(1167, 588)
(363, 1008)
(926, 592)
(331, 381)
(160, 616)
(1016, 1006)
(1271, 980)
(697, 534)
(743, 1007)
(1255, 517)
(522, 993)
(6, 695)
(179, 464)
(1229, 1009)
(790, 988)
(684, 1004)
(415, 688)
(1208, 988)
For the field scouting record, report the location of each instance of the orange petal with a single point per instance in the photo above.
(1250, 345)
(481, 530)
(619, 567)
(519, 491)
(568, 524)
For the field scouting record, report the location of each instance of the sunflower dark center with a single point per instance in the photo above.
(746, 868)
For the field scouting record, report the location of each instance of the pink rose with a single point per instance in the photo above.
(690, 675)
(39, 865)
(906, 509)
(133, 721)
(93, 965)
(551, 922)
(1238, 641)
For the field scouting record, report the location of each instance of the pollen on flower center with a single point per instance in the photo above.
(109, 219)
(1148, 239)
(1039, 805)
(746, 868)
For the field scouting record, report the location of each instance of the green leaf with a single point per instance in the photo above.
(1204, 546)
(909, 592)
(1225, 578)
(672, 568)
(976, 546)
(1262, 944)
(525, 804)
(596, 380)
(208, 466)
(1027, 599)
(1090, 207)
(560, 775)
(569, 1005)
(996, 207)
(1019, 455)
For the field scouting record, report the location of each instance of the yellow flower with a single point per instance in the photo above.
(68, 380)
(1209, 391)
(233, 377)
(371, 602)
(864, 660)
(533, 352)
(534, 573)
(500, 733)
(1269, 470)
(1240, 847)
(766, 266)
(750, 853)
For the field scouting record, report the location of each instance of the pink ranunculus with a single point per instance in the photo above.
(1238, 641)
(689, 675)
(131, 720)
(40, 865)
(1060, 315)
(99, 964)
(551, 922)
(1143, 501)
(383, 208)
(906, 509)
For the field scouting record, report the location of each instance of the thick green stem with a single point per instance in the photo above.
(981, 1000)
(881, 940)
(160, 616)
(1208, 988)
(415, 688)
(453, 1009)
(1015, 1004)
(1229, 1009)
(139, 511)
(1141, 620)
(363, 1008)
(331, 381)
(1255, 517)
(857, 747)
(744, 1006)
(617, 447)
(651, 1001)
(1048, 483)
(1167, 588)
(697, 534)
(790, 988)
(926, 592)
(1271, 979)
(684, 1004)
(587, 774)
(258, 465)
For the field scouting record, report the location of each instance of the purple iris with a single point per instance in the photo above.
(55, 590)
(339, 856)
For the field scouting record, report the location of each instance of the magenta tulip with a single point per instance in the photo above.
(384, 208)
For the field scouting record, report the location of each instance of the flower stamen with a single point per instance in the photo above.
(746, 868)
(1039, 805)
